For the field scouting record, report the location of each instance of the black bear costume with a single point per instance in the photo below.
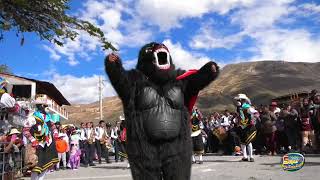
(156, 99)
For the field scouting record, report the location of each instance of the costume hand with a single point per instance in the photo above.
(113, 57)
(35, 143)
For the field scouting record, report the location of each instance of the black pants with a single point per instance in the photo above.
(102, 151)
(116, 144)
(89, 153)
(171, 168)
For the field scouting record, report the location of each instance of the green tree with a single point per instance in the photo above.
(5, 69)
(47, 18)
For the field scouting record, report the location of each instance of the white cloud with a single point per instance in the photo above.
(260, 22)
(184, 59)
(53, 53)
(208, 39)
(81, 90)
(167, 14)
(108, 16)
(262, 14)
(288, 45)
(310, 8)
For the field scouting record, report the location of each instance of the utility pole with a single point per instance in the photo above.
(100, 97)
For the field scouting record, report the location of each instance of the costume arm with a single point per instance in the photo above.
(202, 78)
(118, 76)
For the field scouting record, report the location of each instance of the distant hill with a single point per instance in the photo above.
(261, 81)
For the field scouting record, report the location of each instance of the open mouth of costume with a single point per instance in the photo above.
(162, 58)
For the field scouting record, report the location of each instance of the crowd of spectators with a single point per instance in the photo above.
(280, 128)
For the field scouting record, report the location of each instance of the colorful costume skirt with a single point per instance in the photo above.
(198, 146)
(47, 157)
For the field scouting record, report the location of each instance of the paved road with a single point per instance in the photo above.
(214, 167)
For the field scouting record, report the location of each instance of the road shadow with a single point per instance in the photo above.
(220, 160)
(111, 167)
(306, 164)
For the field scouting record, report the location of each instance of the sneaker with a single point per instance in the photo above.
(100, 162)
(193, 162)
(251, 160)
(108, 162)
(92, 164)
(200, 162)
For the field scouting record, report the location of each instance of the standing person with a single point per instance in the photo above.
(115, 138)
(268, 120)
(306, 127)
(197, 128)
(90, 148)
(246, 129)
(83, 144)
(101, 140)
(123, 139)
(42, 133)
(290, 116)
(62, 145)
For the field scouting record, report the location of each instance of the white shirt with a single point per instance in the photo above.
(7, 101)
(114, 133)
(83, 135)
(89, 132)
(99, 132)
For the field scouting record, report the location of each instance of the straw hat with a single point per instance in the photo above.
(14, 131)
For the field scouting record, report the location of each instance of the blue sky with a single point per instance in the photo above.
(225, 31)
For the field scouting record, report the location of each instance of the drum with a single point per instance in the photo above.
(30, 159)
(220, 133)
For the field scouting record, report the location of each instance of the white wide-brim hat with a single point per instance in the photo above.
(14, 131)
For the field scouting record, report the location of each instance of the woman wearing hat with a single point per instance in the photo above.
(42, 133)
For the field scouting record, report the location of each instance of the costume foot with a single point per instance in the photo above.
(244, 159)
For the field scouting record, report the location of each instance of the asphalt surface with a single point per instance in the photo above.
(214, 167)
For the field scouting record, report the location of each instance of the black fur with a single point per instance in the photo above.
(167, 159)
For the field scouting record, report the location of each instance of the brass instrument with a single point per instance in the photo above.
(91, 138)
(104, 137)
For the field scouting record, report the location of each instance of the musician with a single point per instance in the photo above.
(101, 139)
(83, 143)
(115, 132)
(90, 147)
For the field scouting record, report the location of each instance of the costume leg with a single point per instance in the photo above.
(250, 150)
(42, 175)
(244, 151)
(177, 167)
(142, 169)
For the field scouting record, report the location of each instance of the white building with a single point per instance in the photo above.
(27, 90)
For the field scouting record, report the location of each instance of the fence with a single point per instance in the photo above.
(11, 162)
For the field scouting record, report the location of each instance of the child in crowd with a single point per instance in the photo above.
(74, 160)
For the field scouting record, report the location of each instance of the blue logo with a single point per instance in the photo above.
(292, 161)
